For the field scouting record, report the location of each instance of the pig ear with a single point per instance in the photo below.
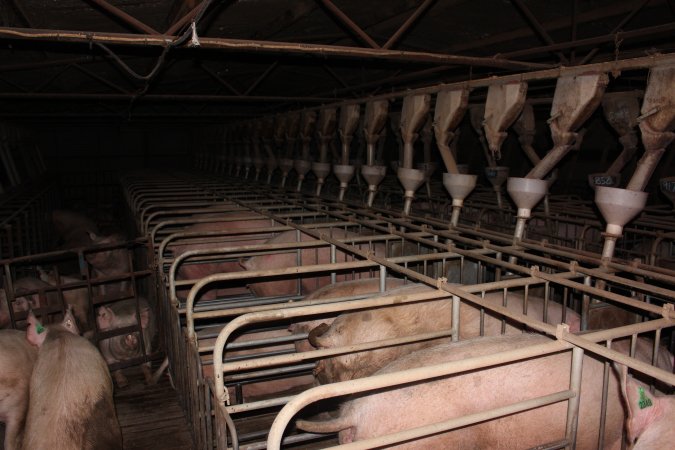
(641, 405)
(35, 333)
(245, 264)
(69, 322)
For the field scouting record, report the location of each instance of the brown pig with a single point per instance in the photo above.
(72, 228)
(71, 395)
(120, 348)
(410, 319)
(288, 286)
(230, 224)
(110, 263)
(424, 403)
(16, 365)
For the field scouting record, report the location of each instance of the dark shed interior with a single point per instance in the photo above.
(223, 193)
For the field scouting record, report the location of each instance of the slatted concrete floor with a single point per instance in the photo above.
(150, 416)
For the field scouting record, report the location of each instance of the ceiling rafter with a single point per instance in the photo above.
(419, 12)
(537, 27)
(589, 57)
(100, 79)
(260, 79)
(126, 19)
(220, 80)
(349, 23)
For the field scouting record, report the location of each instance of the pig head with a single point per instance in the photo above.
(127, 346)
(410, 319)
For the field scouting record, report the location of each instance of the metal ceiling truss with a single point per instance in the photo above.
(147, 37)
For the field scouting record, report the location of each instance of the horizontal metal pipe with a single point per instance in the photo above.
(262, 47)
(162, 98)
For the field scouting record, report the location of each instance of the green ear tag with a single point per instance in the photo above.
(39, 328)
(644, 402)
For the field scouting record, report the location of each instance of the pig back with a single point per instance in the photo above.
(475, 391)
(309, 257)
(71, 398)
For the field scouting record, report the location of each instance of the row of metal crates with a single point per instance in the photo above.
(229, 347)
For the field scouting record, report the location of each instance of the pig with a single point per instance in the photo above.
(288, 286)
(110, 263)
(23, 301)
(283, 386)
(77, 298)
(17, 358)
(120, 348)
(201, 270)
(73, 228)
(341, 289)
(410, 319)
(470, 392)
(71, 394)
(649, 418)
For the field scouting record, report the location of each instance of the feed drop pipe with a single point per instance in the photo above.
(395, 125)
(228, 153)
(256, 133)
(325, 133)
(621, 110)
(248, 148)
(450, 108)
(349, 120)
(291, 135)
(428, 166)
(375, 119)
(574, 100)
(303, 164)
(267, 136)
(279, 138)
(502, 107)
(619, 206)
(525, 128)
(413, 114)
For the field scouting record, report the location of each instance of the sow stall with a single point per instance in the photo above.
(572, 278)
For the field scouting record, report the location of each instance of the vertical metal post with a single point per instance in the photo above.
(383, 278)
(603, 403)
(333, 275)
(573, 403)
(585, 305)
(455, 318)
